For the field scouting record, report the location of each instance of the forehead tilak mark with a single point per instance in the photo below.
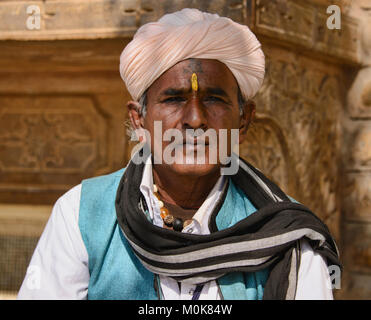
(194, 82)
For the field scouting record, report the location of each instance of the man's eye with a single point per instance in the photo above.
(174, 100)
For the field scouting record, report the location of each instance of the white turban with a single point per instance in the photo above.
(190, 33)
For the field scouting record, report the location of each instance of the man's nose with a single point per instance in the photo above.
(194, 116)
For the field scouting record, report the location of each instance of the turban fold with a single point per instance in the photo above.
(190, 33)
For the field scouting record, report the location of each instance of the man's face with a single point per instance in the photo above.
(214, 105)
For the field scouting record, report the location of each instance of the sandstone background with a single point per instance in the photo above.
(62, 112)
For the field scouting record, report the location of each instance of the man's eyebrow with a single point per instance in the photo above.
(217, 91)
(174, 91)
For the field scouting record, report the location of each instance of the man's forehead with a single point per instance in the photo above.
(195, 65)
(200, 65)
(210, 73)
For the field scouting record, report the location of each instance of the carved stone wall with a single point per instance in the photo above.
(62, 107)
(61, 117)
(295, 139)
(61, 120)
(356, 182)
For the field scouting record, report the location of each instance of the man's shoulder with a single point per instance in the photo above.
(100, 190)
(105, 177)
(72, 196)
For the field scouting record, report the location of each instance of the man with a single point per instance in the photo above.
(173, 224)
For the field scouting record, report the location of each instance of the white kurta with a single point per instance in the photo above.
(59, 266)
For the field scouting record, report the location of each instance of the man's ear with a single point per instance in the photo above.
(135, 114)
(246, 118)
(137, 121)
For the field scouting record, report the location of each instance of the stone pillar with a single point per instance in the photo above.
(356, 180)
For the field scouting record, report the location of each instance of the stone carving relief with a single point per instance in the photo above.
(295, 139)
(357, 196)
(103, 18)
(358, 254)
(356, 190)
(359, 96)
(304, 23)
(42, 137)
(266, 148)
(280, 16)
(357, 156)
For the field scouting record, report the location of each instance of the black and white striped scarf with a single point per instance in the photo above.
(267, 238)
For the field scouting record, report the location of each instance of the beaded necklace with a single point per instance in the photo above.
(169, 220)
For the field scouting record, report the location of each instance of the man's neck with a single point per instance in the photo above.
(188, 192)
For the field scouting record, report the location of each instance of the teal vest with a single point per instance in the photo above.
(116, 273)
